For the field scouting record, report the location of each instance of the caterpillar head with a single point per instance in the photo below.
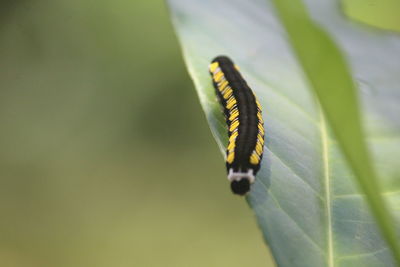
(241, 181)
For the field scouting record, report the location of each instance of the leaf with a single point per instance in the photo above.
(305, 197)
(383, 14)
(330, 78)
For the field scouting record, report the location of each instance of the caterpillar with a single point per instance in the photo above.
(245, 124)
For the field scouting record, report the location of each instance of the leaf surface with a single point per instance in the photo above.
(306, 200)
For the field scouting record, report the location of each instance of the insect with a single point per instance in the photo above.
(245, 124)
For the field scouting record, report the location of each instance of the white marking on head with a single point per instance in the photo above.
(237, 176)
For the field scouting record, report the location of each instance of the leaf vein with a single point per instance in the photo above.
(290, 218)
(295, 174)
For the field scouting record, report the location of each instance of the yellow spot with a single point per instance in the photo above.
(231, 102)
(259, 116)
(231, 146)
(260, 139)
(233, 110)
(234, 125)
(254, 159)
(218, 76)
(231, 99)
(222, 86)
(261, 128)
(230, 157)
(233, 136)
(234, 115)
(228, 93)
(258, 104)
(259, 149)
(237, 67)
(213, 66)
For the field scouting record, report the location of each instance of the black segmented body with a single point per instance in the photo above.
(243, 115)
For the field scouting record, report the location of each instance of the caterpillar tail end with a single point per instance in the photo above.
(241, 187)
(241, 181)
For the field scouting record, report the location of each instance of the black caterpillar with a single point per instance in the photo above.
(245, 124)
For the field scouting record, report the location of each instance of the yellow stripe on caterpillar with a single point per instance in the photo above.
(260, 139)
(235, 109)
(261, 128)
(222, 85)
(259, 116)
(233, 136)
(230, 99)
(231, 102)
(234, 126)
(231, 146)
(228, 93)
(225, 89)
(218, 76)
(234, 121)
(254, 159)
(213, 66)
(230, 157)
(259, 149)
(234, 115)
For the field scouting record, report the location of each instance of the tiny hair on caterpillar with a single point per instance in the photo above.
(245, 124)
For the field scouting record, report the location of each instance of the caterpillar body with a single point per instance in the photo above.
(245, 124)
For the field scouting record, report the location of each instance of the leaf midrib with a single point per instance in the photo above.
(325, 160)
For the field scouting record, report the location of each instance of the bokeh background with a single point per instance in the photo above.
(106, 158)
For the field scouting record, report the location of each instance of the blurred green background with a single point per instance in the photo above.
(106, 158)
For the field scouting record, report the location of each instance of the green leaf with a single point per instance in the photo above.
(378, 13)
(306, 198)
(330, 78)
